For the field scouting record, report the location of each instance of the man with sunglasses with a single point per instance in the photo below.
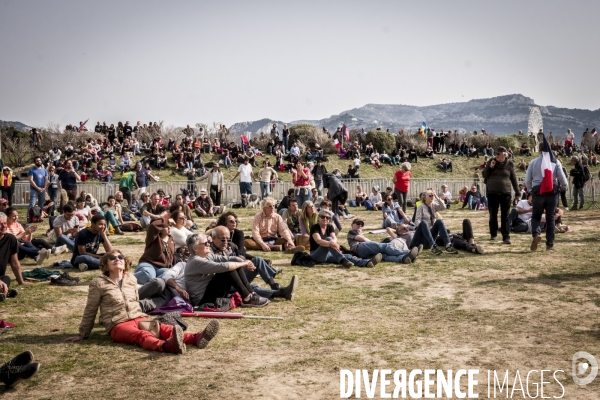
(222, 245)
(87, 243)
(365, 248)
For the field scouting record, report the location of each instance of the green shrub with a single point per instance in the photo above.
(307, 135)
(381, 140)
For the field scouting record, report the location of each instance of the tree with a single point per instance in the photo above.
(381, 140)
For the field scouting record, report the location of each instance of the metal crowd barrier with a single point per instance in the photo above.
(231, 191)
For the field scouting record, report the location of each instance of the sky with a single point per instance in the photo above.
(185, 62)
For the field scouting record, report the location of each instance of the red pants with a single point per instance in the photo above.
(128, 332)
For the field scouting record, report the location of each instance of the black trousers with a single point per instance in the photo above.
(460, 241)
(501, 201)
(7, 193)
(515, 223)
(215, 195)
(220, 285)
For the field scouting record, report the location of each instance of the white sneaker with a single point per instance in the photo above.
(222, 208)
(59, 249)
(43, 255)
(83, 267)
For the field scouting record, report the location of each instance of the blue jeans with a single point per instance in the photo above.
(319, 186)
(280, 212)
(286, 140)
(246, 187)
(389, 252)
(64, 239)
(265, 189)
(473, 202)
(227, 162)
(324, 255)
(53, 193)
(426, 237)
(577, 192)
(301, 195)
(91, 262)
(146, 271)
(266, 273)
(27, 249)
(34, 196)
(110, 219)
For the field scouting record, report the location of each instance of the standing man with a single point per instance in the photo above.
(265, 174)
(500, 175)
(127, 130)
(67, 179)
(141, 177)
(544, 178)
(318, 171)
(286, 137)
(9, 249)
(215, 185)
(126, 183)
(246, 176)
(87, 243)
(579, 174)
(38, 183)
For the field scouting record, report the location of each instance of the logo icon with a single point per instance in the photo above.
(582, 367)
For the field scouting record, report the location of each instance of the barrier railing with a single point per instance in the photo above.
(231, 191)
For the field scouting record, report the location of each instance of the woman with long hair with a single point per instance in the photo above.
(115, 293)
(308, 217)
(180, 233)
(301, 181)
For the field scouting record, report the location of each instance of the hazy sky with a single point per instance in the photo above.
(231, 61)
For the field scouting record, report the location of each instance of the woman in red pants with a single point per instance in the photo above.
(115, 293)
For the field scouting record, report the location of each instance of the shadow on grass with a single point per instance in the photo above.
(554, 280)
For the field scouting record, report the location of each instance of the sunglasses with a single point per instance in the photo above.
(430, 195)
(325, 217)
(113, 258)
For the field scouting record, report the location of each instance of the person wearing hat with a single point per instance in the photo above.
(579, 174)
(364, 248)
(203, 205)
(500, 177)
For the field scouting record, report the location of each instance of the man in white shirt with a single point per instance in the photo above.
(246, 176)
(446, 195)
(295, 150)
(519, 217)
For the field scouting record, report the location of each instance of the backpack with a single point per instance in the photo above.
(131, 227)
(34, 215)
(303, 259)
(586, 174)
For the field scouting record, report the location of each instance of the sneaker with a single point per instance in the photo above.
(60, 281)
(11, 374)
(295, 249)
(506, 241)
(414, 253)
(255, 301)
(493, 238)
(22, 359)
(435, 250)
(12, 293)
(420, 248)
(450, 249)
(549, 248)
(60, 249)
(65, 275)
(42, 256)
(377, 259)
(406, 259)
(346, 263)
(83, 267)
(278, 271)
(534, 243)
(289, 291)
(369, 264)
(201, 339)
(175, 343)
(479, 249)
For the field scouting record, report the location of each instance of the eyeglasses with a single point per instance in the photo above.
(113, 258)
(325, 217)
(204, 244)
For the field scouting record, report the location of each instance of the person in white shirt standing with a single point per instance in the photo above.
(246, 176)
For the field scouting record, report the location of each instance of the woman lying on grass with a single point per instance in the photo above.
(115, 293)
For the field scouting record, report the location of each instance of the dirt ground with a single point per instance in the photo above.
(507, 310)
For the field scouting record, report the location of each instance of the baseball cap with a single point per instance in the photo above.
(358, 221)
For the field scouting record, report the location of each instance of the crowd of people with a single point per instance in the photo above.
(211, 267)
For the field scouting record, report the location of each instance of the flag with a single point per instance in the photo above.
(346, 133)
(594, 133)
(244, 140)
(83, 125)
(548, 164)
(336, 143)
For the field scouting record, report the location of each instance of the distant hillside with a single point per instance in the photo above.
(18, 125)
(499, 115)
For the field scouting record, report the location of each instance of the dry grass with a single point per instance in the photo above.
(507, 309)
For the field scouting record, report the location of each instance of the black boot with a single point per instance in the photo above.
(18, 368)
(288, 291)
(274, 285)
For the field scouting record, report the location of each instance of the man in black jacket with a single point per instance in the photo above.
(579, 175)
